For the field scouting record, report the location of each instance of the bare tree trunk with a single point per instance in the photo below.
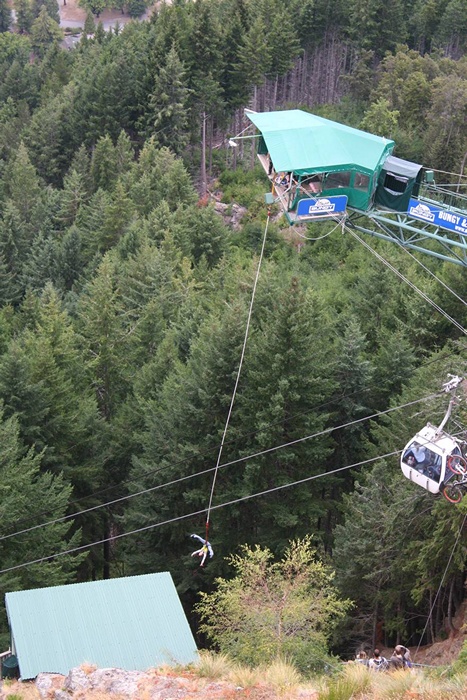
(255, 97)
(203, 156)
(274, 94)
(211, 134)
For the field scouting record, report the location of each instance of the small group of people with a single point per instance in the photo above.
(400, 658)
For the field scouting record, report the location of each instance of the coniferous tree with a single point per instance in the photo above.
(10, 126)
(49, 136)
(14, 243)
(5, 16)
(167, 114)
(136, 7)
(353, 372)
(158, 176)
(24, 15)
(45, 32)
(89, 24)
(424, 21)
(124, 153)
(8, 287)
(255, 61)
(43, 375)
(51, 7)
(200, 233)
(22, 183)
(71, 258)
(81, 164)
(452, 28)
(378, 26)
(72, 196)
(42, 265)
(232, 80)
(282, 401)
(117, 217)
(104, 164)
(29, 498)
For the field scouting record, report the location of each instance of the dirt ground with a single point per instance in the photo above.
(71, 14)
(444, 652)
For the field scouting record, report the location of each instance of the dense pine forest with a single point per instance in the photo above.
(124, 298)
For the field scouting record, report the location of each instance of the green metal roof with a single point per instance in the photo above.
(133, 623)
(301, 142)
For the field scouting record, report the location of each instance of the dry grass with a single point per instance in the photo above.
(88, 668)
(282, 676)
(215, 677)
(418, 685)
(213, 666)
(354, 682)
(243, 676)
(14, 690)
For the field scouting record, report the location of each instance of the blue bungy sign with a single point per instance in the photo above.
(449, 220)
(323, 206)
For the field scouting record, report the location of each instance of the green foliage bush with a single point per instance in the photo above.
(271, 610)
(244, 187)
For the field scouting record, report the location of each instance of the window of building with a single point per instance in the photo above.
(341, 179)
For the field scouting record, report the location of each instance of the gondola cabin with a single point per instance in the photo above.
(431, 458)
(318, 167)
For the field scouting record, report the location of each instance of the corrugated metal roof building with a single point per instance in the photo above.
(133, 623)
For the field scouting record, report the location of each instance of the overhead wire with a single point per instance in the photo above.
(76, 514)
(341, 223)
(463, 330)
(171, 465)
(193, 514)
(441, 582)
(427, 269)
(255, 455)
(407, 281)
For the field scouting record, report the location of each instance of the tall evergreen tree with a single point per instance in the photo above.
(377, 25)
(22, 183)
(28, 498)
(5, 16)
(103, 164)
(24, 15)
(45, 32)
(167, 114)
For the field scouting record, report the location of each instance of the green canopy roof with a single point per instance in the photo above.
(133, 623)
(301, 142)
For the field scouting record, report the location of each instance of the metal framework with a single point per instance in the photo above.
(411, 233)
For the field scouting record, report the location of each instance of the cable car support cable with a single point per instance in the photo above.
(427, 269)
(186, 516)
(430, 614)
(269, 450)
(405, 279)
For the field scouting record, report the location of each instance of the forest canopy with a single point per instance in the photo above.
(124, 297)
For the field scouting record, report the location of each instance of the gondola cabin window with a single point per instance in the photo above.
(424, 460)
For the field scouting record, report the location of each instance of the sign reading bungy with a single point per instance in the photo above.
(450, 220)
(324, 206)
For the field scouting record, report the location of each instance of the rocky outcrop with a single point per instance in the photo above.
(232, 214)
(88, 682)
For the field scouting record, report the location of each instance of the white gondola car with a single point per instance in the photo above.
(432, 458)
